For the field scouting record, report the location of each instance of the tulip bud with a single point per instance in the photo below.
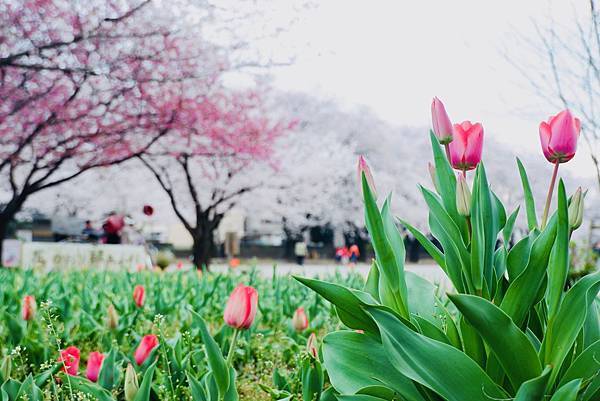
(433, 176)
(576, 210)
(312, 346)
(363, 168)
(241, 307)
(143, 351)
(442, 126)
(300, 320)
(131, 383)
(463, 196)
(6, 367)
(94, 365)
(139, 294)
(112, 317)
(28, 308)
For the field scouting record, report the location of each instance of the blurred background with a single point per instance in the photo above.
(229, 131)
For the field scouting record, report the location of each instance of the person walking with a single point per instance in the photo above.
(300, 250)
(354, 254)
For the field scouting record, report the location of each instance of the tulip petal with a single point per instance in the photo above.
(474, 146)
(545, 135)
(563, 141)
(457, 146)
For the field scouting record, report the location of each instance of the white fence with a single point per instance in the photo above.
(46, 255)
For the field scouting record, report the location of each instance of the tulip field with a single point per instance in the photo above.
(134, 336)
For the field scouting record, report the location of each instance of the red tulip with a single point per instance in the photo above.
(139, 294)
(300, 320)
(146, 346)
(93, 365)
(28, 308)
(363, 167)
(70, 358)
(467, 145)
(442, 126)
(241, 307)
(148, 210)
(559, 137)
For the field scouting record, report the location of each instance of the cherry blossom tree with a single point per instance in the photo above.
(84, 85)
(213, 154)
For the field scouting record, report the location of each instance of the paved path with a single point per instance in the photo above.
(430, 271)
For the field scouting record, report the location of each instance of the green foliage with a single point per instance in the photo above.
(512, 330)
(184, 309)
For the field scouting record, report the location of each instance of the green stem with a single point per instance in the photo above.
(549, 196)
(167, 362)
(469, 227)
(232, 346)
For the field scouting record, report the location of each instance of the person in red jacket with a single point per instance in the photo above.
(354, 254)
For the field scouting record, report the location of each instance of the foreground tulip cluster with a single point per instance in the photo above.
(512, 328)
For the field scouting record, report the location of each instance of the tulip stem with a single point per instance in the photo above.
(549, 197)
(232, 346)
(447, 147)
(469, 227)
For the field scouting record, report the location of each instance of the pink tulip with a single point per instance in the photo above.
(139, 294)
(300, 320)
(28, 307)
(363, 167)
(559, 137)
(93, 365)
(241, 307)
(148, 343)
(70, 358)
(467, 145)
(442, 126)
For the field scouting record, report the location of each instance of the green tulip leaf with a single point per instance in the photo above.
(217, 363)
(509, 344)
(529, 201)
(348, 355)
(564, 327)
(534, 389)
(145, 389)
(558, 265)
(438, 366)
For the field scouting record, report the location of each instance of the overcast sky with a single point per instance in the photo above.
(394, 56)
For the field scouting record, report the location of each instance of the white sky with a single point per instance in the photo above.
(394, 56)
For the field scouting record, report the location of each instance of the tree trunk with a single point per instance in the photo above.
(203, 248)
(4, 222)
(6, 217)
